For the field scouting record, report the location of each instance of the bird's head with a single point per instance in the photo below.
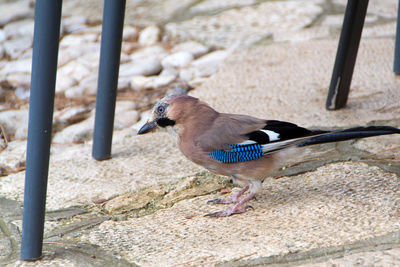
(168, 111)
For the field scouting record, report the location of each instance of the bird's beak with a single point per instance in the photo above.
(148, 127)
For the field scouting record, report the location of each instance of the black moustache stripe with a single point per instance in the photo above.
(164, 122)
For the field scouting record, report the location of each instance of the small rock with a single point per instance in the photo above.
(149, 35)
(74, 70)
(154, 51)
(89, 85)
(22, 66)
(22, 93)
(19, 79)
(14, 10)
(78, 39)
(143, 66)
(74, 92)
(195, 48)
(130, 33)
(208, 64)
(16, 47)
(73, 23)
(124, 83)
(71, 114)
(142, 82)
(76, 133)
(2, 36)
(69, 53)
(15, 123)
(169, 72)
(124, 105)
(126, 118)
(63, 83)
(18, 29)
(177, 60)
(187, 74)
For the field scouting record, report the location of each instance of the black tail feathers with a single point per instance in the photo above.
(348, 134)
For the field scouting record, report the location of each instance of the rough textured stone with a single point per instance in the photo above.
(149, 35)
(194, 48)
(256, 23)
(335, 204)
(16, 47)
(149, 66)
(15, 123)
(14, 10)
(142, 82)
(177, 60)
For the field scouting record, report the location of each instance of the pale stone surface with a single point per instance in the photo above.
(209, 5)
(135, 164)
(16, 47)
(15, 123)
(18, 29)
(76, 133)
(149, 35)
(14, 155)
(141, 66)
(125, 119)
(143, 82)
(74, 70)
(154, 51)
(299, 212)
(195, 48)
(130, 33)
(204, 66)
(177, 60)
(385, 146)
(390, 257)
(14, 10)
(246, 25)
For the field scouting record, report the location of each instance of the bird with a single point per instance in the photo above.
(243, 147)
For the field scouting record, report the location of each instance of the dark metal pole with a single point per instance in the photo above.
(346, 54)
(43, 79)
(111, 39)
(396, 64)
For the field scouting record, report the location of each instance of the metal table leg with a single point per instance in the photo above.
(396, 64)
(346, 54)
(43, 79)
(111, 39)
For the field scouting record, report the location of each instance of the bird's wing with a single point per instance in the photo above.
(255, 139)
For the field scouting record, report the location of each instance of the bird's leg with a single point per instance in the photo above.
(232, 199)
(235, 209)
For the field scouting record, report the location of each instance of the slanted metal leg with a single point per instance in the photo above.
(111, 39)
(346, 54)
(43, 80)
(396, 64)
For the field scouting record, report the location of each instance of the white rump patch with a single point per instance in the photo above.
(248, 142)
(273, 136)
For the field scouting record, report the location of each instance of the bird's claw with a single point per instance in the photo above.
(226, 213)
(215, 201)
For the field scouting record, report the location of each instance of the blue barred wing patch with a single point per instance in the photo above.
(238, 153)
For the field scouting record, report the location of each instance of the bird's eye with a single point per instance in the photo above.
(160, 110)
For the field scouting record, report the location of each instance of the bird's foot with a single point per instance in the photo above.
(232, 199)
(221, 201)
(229, 212)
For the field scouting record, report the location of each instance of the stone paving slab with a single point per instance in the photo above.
(334, 205)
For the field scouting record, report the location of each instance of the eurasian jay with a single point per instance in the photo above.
(240, 146)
